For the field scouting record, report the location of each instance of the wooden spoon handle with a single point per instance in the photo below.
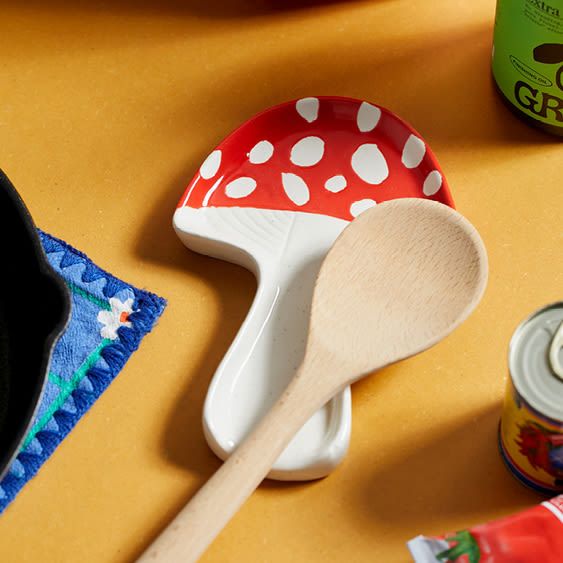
(201, 520)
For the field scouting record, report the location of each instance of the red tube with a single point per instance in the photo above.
(532, 536)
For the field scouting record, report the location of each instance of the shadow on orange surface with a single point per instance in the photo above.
(457, 474)
(183, 442)
(454, 106)
(440, 83)
(218, 9)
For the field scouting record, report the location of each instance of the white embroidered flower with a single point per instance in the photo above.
(115, 318)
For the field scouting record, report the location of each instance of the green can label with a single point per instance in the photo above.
(528, 57)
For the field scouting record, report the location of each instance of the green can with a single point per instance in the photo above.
(527, 60)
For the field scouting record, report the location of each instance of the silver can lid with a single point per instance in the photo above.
(530, 365)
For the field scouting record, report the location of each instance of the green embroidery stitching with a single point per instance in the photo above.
(58, 381)
(92, 298)
(67, 387)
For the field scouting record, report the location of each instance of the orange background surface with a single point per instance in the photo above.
(106, 111)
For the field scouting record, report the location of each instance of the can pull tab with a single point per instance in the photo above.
(556, 345)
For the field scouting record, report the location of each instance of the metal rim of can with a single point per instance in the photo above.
(545, 407)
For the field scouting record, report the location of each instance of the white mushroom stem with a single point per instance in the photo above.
(285, 250)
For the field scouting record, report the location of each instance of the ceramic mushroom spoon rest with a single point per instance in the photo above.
(273, 197)
(399, 278)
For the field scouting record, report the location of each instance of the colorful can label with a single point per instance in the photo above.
(531, 444)
(531, 429)
(527, 59)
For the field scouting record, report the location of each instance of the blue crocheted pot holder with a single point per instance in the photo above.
(108, 321)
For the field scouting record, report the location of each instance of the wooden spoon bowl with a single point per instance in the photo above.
(426, 273)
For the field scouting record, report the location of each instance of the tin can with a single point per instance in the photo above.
(527, 60)
(531, 428)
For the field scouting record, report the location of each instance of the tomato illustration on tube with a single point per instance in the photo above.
(532, 536)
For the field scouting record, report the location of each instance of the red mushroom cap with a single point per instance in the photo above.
(326, 155)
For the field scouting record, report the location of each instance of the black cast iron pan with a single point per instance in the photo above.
(34, 309)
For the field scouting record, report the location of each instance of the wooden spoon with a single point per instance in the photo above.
(399, 279)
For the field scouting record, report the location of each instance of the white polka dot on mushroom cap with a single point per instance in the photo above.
(413, 152)
(369, 164)
(241, 187)
(295, 188)
(308, 109)
(360, 206)
(336, 184)
(211, 191)
(261, 152)
(432, 183)
(368, 117)
(308, 151)
(210, 165)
